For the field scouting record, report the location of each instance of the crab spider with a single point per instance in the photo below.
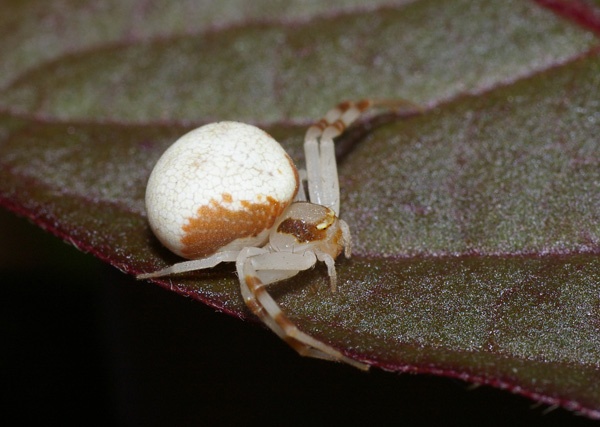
(228, 192)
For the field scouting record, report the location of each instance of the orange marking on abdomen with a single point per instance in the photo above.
(214, 226)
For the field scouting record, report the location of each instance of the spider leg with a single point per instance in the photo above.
(347, 238)
(321, 166)
(330, 263)
(329, 260)
(301, 196)
(319, 150)
(251, 264)
(195, 264)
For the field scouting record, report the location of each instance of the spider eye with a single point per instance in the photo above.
(327, 220)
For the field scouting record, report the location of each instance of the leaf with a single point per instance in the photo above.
(475, 224)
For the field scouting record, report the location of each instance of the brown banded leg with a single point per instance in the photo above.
(250, 264)
(321, 166)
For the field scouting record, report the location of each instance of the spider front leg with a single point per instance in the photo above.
(319, 150)
(257, 267)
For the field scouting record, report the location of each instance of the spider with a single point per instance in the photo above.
(228, 192)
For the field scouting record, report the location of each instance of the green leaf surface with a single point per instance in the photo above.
(475, 222)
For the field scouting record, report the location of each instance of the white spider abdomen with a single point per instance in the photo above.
(219, 187)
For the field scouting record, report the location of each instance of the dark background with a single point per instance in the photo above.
(85, 344)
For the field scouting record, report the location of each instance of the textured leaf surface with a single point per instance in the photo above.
(476, 222)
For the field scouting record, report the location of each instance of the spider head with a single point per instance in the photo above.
(308, 226)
